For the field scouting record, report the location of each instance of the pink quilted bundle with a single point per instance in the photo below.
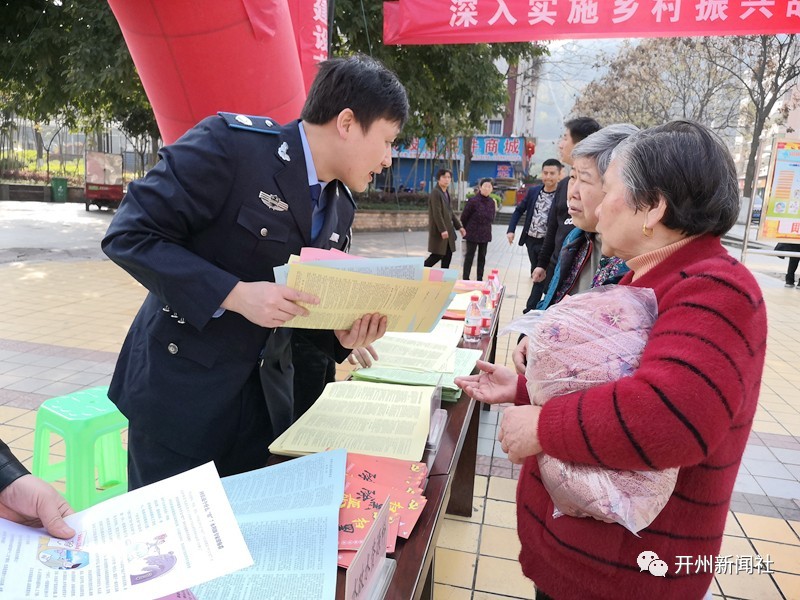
(586, 340)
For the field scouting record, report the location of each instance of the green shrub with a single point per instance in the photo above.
(374, 200)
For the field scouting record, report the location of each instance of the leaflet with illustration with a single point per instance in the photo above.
(370, 418)
(146, 544)
(289, 516)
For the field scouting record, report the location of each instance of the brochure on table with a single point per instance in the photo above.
(145, 544)
(289, 516)
(371, 418)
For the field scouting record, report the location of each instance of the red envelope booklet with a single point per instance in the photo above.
(406, 502)
(356, 517)
(386, 471)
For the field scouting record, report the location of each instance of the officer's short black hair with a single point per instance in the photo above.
(552, 162)
(485, 180)
(361, 84)
(581, 128)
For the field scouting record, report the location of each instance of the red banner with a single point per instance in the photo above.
(310, 20)
(482, 21)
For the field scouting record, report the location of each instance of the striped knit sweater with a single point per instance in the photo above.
(689, 405)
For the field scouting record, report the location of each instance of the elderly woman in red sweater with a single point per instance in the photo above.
(670, 194)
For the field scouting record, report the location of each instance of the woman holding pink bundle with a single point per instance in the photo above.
(670, 194)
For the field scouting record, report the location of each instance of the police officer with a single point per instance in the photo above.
(202, 231)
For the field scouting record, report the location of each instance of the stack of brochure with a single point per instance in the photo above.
(370, 482)
(373, 418)
(411, 296)
(430, 359)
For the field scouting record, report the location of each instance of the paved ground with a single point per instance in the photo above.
(66, 309)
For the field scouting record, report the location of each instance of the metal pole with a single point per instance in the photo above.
(331, 20)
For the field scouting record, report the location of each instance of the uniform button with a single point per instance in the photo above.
(264, 232)
(173, 349)
(166, 308)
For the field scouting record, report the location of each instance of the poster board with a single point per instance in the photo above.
(780, 214)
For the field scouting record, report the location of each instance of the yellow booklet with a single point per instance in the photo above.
(371, 418)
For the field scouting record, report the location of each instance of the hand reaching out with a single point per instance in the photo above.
(493, 385)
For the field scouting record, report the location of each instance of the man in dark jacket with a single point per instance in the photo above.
(230, 200)
(536, 207)
(559, 223)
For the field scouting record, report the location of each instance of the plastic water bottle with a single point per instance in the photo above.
(496, 273)
(494, 290)
(485, 304)
(472, 322)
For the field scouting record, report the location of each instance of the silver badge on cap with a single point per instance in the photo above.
(269, 123)
(244, 120)
(282, 152)
(272, 202)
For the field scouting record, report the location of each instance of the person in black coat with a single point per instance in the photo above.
(29, 500)
(230, 200)
(536, 208)
(477, 218)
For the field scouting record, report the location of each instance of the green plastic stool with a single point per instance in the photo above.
(91, 426)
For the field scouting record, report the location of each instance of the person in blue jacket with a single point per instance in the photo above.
(231, 199)
(536, 207)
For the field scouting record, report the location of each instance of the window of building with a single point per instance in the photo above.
(495, 127)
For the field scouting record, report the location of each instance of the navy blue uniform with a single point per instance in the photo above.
(226, 203)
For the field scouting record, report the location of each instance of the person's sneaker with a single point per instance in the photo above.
(787, 284)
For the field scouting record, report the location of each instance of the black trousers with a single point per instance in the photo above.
(538, 289)
(313, 370)
(445, 258)
(470, 255)
(534, 246)
(793, 262)
(150, 461)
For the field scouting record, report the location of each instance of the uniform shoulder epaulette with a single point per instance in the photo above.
(250, 123)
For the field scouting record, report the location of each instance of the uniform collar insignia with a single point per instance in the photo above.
(272, 202)
(283, 152)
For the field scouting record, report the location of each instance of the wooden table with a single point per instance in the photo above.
(449, 489)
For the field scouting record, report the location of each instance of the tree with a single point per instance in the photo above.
(67, 60)
(767, 68)
(661, 79)
(452, 89)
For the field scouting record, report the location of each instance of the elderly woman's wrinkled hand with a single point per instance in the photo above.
(520, 356)
(493, 385)
(518, 435)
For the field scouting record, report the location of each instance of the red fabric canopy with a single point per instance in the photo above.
(197, 57)
(484, 21)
